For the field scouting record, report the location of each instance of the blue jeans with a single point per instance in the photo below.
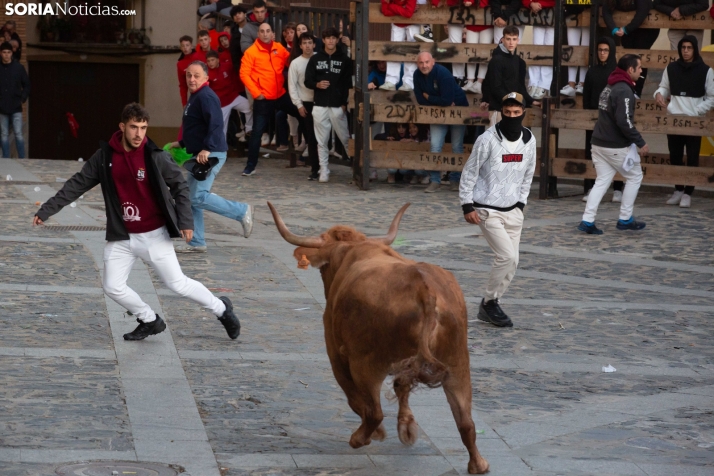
(203, 199)
(438, 136)
(5, 134)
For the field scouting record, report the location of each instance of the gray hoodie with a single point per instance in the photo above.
(615, 128)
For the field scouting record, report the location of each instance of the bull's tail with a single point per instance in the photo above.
(423, 367)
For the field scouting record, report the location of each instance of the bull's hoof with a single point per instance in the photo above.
(380, 434)
(359, 442)
(408, 430)
(478, 467)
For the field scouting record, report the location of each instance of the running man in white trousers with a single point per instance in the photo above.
(493, 191)
(613, 137)
(147, 202)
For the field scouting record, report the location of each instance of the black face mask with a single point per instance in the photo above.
(511, 127)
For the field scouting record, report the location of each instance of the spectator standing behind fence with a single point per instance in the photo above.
(9, 29)
(188, 56)
(258, 16)
(329, 74)
(678, 9)
(400, 32)
(689, 84)
(612, 139)
(224, 81)
(501, 10)
(540, 76)
(506, 73)
(14, 91)
(631, 35)
(204, 45)
(595, 82)
(577, 36)
(238, 14)
(435, 86)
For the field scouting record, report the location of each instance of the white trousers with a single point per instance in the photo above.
(293, 124)
(608, 162)
(676, 35)
(456, 35)
(578, 36)
(327, 119)
(240, 104)
(394, 68)
(498, 33)
(542, 76)
(484, 37)
(502, 231)
(157, 250)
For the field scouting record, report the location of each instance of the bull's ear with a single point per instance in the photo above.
(310, 257)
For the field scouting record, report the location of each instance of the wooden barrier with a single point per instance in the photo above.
(645, 121)
(454, 115)
(653, 173)
(655, 19)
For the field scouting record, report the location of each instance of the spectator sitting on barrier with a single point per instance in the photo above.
(258, 16)
(215, 6)
(595, 82)
(400, 32)
(506, 73)
(540, 77)
(501, 11)
(577, 36)
(613, 137)
(481, 34)
(689, 84)
(435, 86)
(631, 35)
(677, 10)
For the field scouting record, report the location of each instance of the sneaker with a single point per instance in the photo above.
(579, 89)
(531, 90)
(313, 176)
(427, 36)
(433, 187)
(676, 197)
(589, 228)
(305, 153)
(265, 139)
(283, 148)
(686, 201)
(388, 87)
(569, 91)
(334, 153)
(247, 221)
(476, 87)
(391, 178)
(425, 180)
(240, 135)
(247, 172)
(467, 87)
(414, 180)
(324, 176)
(585, 197)
(301, 148)
(229, 319)
(491, 312)
(146, 329)
(273, 142)
(617, 197)
(405, 87)
(454, 187)
(538, 93)
(191, 249)
(630, 224)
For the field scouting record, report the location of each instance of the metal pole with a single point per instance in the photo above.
(360, 161)
(544, 149)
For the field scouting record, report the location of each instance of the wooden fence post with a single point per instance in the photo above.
(544, 150)
(362, 113)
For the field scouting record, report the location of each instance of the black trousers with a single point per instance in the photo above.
(308, 129)
(676, 155)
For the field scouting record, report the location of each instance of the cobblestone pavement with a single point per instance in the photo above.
(266, 404)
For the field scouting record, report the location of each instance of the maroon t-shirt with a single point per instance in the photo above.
(140, 211)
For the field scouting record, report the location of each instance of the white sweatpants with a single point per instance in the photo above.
(502, 231)
(484, 37)
(498, 33)
(542, 76)
(157, 250)
(608, 162)
(240, 104)
(578, 36)
(394, 68)
(456, 35)
(326, 119)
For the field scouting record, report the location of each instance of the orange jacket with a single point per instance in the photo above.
(261, 69)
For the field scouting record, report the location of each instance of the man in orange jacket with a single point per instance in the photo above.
(261, 71)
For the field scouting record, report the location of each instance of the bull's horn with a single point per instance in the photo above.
(293, 239)
(394, 227)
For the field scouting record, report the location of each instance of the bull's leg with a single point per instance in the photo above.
(406, 425)
(369, 387)
(457, 386)
(354, 399)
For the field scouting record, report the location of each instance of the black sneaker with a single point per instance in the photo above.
(146, 329)
(427, 36)
(589, 228)
(314, 176)
(631, 224)
(229, 320)
(491, 312)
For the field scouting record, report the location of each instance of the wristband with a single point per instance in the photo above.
(614, 31)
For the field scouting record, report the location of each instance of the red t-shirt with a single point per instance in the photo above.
(225, 82)
(140, 210)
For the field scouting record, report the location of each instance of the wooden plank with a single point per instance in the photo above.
(377, 96)
(655, 19)
(645, 121)
(533, 55)
(651, 158)
(396, 146)
(653, 173)
(659, 59)
(460, 15)
(455, 115)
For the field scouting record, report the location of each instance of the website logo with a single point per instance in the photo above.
(65, 8)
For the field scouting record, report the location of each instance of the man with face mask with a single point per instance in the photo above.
(494, 188)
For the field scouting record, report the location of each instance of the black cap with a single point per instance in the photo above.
(200, 171)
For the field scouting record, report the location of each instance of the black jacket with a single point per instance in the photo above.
(506, 74)
(14, 87)
(615, 128)
(640, 7)
(335, 68)
(236, 50)
(596, 77)
(166, 178)
(686, 7)
(505, 8)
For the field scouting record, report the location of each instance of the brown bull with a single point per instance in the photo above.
(386, 314)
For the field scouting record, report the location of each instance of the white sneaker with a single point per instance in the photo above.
(531, 90)
(686, 201)
(273, 142)
(425, 180)
(569, 91)
(476, 87)
(305, 153)
(388, 87)
(585, 197)
(301, 148)
(579, 89)
(334, 153)
(676, 197)
(617, 197)
(537, 93)
(324, 176)
(467, 87)
(265, 139)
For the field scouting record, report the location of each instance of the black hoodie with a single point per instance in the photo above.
(506, 74)
(596, 77)
(688, 79)
(335, 68)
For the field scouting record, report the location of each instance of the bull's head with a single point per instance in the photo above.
(317, 250)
